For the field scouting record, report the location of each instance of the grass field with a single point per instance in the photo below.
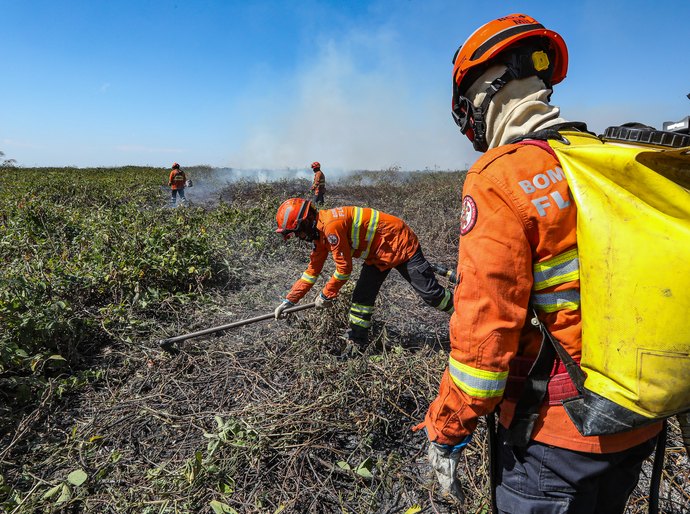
(267, 418)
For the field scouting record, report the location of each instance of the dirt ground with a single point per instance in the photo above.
(271, 417)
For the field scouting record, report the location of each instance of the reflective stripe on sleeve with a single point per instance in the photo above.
(559, 300)
(341, 276)
(309, 279)
(475, 382)
(559, 270)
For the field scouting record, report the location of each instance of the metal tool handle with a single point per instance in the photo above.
(166, 344)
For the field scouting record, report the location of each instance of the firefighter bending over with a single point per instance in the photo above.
(382, 240)
(319, 185)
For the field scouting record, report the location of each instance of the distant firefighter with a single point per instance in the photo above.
(319, 185)
(177, 182)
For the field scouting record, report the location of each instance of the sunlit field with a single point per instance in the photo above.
(97, 268)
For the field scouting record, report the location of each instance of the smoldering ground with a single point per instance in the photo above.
(270, 417)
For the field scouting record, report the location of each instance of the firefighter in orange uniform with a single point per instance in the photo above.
(383, 241)
(517, 259)
(177, 181)
(319, 185)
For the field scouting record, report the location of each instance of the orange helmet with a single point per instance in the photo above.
(293, 216)
(316, 165)
(519, 42)
(175, 166)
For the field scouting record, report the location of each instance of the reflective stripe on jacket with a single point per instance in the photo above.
(518, 246)
(380, 239)
(177, 179)
(319, 182)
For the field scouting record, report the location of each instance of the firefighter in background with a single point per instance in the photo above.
(319, 185)
(382, 240)
(518, 252)
(177, 181)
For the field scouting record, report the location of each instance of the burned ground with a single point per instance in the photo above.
(269, 417)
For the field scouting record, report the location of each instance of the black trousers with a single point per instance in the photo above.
(417, 271)
(549, 480)
(174, 193)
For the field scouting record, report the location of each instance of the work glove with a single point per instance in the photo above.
(444, 460)
(278, 313)
(323, 302)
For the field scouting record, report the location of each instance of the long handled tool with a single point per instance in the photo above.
(167, 344)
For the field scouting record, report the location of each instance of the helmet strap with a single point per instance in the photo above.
(309, 229)
(521, 63)
(313, 234)
(307, 223)
(478, 123)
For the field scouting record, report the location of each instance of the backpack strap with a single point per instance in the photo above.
(537, 382)
(553, 132)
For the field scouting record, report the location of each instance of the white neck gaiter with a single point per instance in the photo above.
(520, 107)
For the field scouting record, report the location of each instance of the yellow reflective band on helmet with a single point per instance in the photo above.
(558, 301)
(558, 270)
(361, 309)
(356, 222)
(364, 323)
(373, 225)
(309, 279)
(477, 382)
(341, 276)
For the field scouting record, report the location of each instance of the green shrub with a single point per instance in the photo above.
(90, 254)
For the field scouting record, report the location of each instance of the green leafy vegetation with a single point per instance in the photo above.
(91, 257)
(268, 418)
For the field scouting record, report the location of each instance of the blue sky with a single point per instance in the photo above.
(278, 84)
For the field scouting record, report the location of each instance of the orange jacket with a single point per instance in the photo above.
(177, 179)
(319, 182)
(518, 244)
(381, 239)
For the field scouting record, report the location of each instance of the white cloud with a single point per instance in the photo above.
(20, 144)
(354, 110)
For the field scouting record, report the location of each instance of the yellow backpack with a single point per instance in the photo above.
(633, 231)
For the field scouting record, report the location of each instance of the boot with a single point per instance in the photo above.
(357, 341)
